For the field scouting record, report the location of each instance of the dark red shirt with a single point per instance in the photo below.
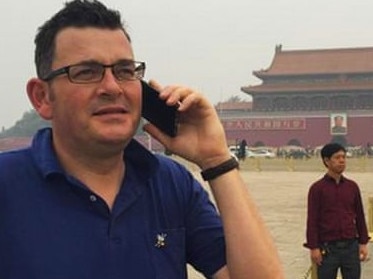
(335, 212)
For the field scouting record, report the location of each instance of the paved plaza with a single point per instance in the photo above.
(281, 197)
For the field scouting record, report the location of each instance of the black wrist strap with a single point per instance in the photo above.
(214, 172)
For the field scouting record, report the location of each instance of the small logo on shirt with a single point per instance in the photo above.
(161, 240)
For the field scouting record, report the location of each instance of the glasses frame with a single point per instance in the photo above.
(139, 71)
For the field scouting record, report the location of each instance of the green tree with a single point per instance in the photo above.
(234, 99)
(26, 126)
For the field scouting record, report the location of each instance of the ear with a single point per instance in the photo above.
(39, 96)
(326, 161)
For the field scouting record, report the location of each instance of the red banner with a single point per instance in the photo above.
(266, 124)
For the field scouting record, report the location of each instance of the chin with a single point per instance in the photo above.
(340, 171)
(114, 134)
(114, 137)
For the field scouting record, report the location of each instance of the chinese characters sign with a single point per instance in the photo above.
(265, 124)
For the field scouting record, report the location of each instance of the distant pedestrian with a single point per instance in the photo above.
(242, 150)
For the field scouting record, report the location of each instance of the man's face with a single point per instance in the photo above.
(337, 162)
(105, 112)
(338, 121)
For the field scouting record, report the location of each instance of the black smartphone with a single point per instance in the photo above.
(157, 112)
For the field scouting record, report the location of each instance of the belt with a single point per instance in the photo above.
(340, 243)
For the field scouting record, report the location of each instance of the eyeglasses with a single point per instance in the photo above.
(92, 72)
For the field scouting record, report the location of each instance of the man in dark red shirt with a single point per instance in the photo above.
(337, 234)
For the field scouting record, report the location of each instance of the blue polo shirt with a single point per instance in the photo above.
(52, 226)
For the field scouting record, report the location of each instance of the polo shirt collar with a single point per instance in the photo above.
(44, 154)
(46, 159)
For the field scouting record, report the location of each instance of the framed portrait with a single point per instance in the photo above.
(338, 123)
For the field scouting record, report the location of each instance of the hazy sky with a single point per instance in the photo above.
(211, 45)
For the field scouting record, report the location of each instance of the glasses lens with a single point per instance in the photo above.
(86, 72)
(140, 70)
(126, 70)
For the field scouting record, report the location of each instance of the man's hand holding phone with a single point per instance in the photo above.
(200, 135)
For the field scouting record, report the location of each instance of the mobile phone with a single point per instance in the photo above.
(157, 112)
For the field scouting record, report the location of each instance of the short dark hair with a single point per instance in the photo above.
(329, 149)
(77, 13)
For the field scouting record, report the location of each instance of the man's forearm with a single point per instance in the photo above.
(249, 245)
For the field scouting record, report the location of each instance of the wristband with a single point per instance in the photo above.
(214, 172)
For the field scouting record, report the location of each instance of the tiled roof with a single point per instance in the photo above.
(234, 106)
(323, 61)
(309, 87)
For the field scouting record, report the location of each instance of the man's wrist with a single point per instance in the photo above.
(222, 168)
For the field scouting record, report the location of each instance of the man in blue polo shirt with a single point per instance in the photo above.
(85, 200)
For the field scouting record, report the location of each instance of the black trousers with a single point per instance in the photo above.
(343, 255)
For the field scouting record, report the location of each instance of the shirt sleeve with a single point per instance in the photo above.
(360, 219)
(205, 238)
(312, 232)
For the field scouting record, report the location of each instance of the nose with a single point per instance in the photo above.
(109, 84)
